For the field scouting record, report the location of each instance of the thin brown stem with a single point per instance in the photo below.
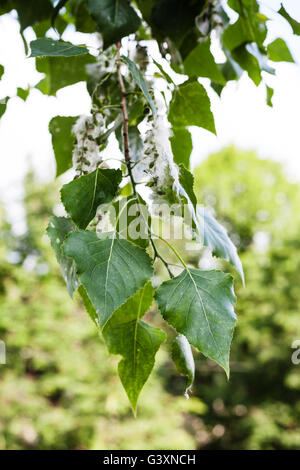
(125, 117)
(127, 153)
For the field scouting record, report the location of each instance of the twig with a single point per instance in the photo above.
(127, 153)
(125, 118)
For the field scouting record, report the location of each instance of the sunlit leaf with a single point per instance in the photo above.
(201, 63)
(279, 52)
(190, 106)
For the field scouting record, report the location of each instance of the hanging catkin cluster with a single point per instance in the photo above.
(161, 169)
(89, 132)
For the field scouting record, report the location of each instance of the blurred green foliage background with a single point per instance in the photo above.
(59, 388)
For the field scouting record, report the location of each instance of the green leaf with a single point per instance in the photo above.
(42, 27)
(139, 79)
(60, 128)
(126, 334)
(270, 93)
(261, 56)
(190, 106)
(23, 94)
(248, 62)
(199, 305)
(183, 358)
(217, 239)
(45, 47)
(59, 5)
(62, 72)
(186, 181)
(182, 146)
(82, 18)
(57, 230)
(3, 104)
(174, 19)
(249, 27)
(82, 196)
(201, 63)
(89, 305)
(29, 12)
(294, 24)
(115, 19)
(133, 220)
(1, 71)
(279, 52)
(111, 269)
(163, 72)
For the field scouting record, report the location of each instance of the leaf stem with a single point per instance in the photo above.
(173, 249)
(157, 255)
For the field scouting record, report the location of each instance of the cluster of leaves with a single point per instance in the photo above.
(59, 388)
(259, 408)
(111, 272)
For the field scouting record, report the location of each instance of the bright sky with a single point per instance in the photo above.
(241, 115)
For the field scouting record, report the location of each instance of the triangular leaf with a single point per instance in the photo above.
(60, 128)
(182, 356)
(126, 334)
(115, 19)
(199, 305)
(190, 106)
(45, 47)
(82, 196)
(201, 63)
(111, 269)
(279, 52)
(23, 94)
(57, 230)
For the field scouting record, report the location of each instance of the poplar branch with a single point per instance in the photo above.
(127, 153)
(125, 118)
